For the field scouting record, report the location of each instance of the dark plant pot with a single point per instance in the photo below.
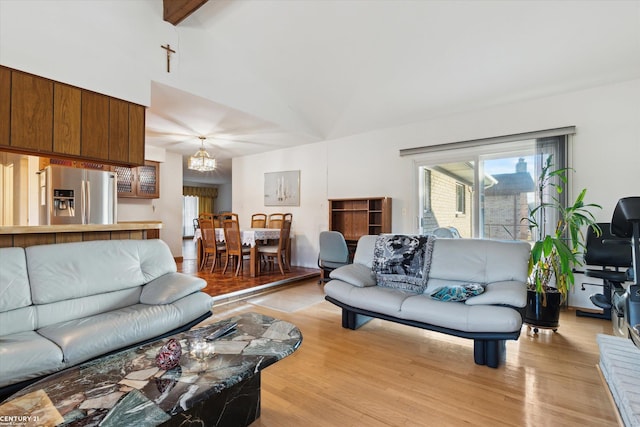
(543, 316)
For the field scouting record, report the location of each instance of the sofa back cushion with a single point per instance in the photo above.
(479, 261)
(14, 281)
(74, 270)
(77, 308)
(16, 312)
(364, 250)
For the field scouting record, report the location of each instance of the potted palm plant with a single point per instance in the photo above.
(556, 249)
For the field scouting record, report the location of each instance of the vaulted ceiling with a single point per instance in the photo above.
(338, 68)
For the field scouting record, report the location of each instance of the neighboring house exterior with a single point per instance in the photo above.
(505, 204)
(443, 207)
(448, 203)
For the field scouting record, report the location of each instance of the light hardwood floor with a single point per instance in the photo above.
(386, 374)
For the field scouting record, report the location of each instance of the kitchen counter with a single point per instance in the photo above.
(23, 236)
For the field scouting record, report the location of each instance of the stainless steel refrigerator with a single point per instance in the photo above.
(77, 196)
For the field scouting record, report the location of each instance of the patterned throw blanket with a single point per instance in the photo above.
(403, 261)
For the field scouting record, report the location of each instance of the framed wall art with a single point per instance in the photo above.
(282, 188)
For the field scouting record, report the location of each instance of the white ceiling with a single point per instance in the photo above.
(351, 66)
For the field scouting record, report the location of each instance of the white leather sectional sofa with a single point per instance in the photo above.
(63, 304)
(490, 318)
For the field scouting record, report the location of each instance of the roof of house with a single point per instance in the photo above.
(511, 183)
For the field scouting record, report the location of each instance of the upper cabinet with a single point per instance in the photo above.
(31, 113)
(142, 182)
(5, 106)
(67, 103)
(43, 117)
(95, 126)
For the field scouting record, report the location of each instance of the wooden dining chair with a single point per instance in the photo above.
(205, 215)
(233, 242)
(275, 220)
(210, 248)
(219, 219)
(259, 220)
(288, 217)
(278, 253)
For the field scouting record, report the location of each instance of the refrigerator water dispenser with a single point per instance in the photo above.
(63, 202)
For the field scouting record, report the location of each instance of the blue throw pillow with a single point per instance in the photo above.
(458, 292)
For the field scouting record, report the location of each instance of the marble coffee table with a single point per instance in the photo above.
(216, 384)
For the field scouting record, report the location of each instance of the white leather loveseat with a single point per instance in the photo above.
(497, 269)
(63, 304)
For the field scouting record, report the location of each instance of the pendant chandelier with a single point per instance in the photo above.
(202, 161)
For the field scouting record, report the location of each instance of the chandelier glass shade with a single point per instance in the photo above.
(202, 161)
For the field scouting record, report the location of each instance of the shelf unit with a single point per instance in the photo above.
(357, 217)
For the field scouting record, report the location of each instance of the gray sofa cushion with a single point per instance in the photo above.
(27, 355)
(503, 293)
(170, 287)
(364, 250)
(77, 308)
(479, 260)
(64, 271)
(373, 298)
(83, 339)
(460, 316)
(356, 274)
(14, 282)
(18, 320)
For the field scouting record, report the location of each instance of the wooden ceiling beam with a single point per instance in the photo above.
(175, 11)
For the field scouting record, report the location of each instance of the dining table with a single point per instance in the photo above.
(252, 237)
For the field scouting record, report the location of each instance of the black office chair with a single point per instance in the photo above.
(626, 223)
(333, 253)
(612, 253)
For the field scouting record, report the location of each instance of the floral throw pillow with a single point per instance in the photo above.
(457, 292)
(403, 261)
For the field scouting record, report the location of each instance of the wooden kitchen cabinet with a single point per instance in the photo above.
(31, 113)
(142, 182)
(5, 105)
(118, 131)
(67, 108)
(95, 126)
(46, 118)
(136, 134)
(355, 218)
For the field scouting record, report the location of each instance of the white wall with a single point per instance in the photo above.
(223, 202)
(605, 154)
(89, 44)
(310, 217)
(168, 208)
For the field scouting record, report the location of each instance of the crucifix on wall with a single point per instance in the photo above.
(169, 52)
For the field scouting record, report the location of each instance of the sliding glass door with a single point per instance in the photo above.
(484, 191)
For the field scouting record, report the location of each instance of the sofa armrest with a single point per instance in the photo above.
(354, 274)
(510, 293)
(170, 287)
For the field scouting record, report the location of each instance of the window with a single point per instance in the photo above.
(484, 190)
(460, 196)
(189, 212)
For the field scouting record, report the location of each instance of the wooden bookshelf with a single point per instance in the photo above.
(357, 217)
